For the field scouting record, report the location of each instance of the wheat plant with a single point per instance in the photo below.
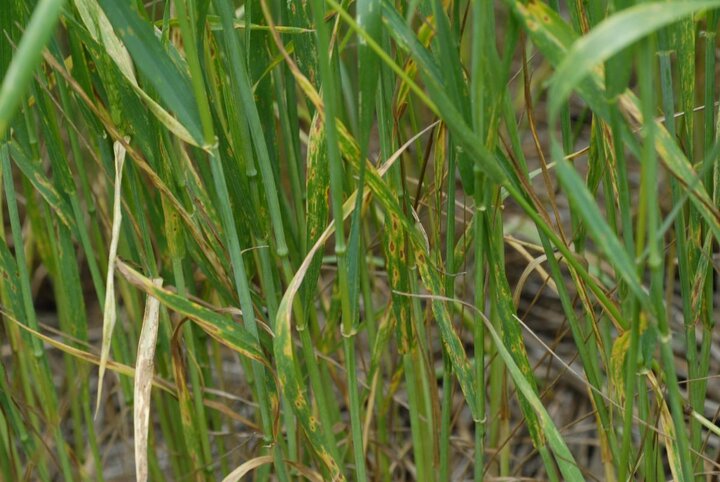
(363, 240)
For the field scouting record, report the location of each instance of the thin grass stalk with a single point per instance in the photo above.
(185, 413)
(685, 39)
(615, 85)
(241, 141)
(586, 338)
(387, 147)
(240, 77)
(170, 414)
(649, 460)
(368, 14)
(240, 275)
(19, 342)
(192, 341)
(75, 202)
(415, 405)
(413, 335)
(565, 125)
(684, 249)
(41, 369)
(7, 453)
(317, 218)
(71, 304)
(427, 388)
(655, 264)
(268, 284)
(697, 388)
(336, 190)
(482, 41)
(61, 267)
(450, 293)
(474, 150)
(289, 118)
(421, 77)
(283, 83)
(241, 80)
(480, 238)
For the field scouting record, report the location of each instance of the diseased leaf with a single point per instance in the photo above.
(43, 185)
(318, 208)
(171, 83)
(110, 313)
(220, 327)
(143, 383)
(611, 36)
(565, 460)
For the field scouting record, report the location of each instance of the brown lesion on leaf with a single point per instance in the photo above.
(395, 222)
(287, 349)
(395, 275)
(300, 402)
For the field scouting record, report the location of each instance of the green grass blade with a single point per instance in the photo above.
(101, 32)
(597, 225)
(566, 462)
(611, 36)
(170, 81)
(26, 58)
(554, 38)
(42, 184)
(218, 326)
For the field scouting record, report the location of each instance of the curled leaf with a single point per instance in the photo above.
(143, 383)
(110, 313)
